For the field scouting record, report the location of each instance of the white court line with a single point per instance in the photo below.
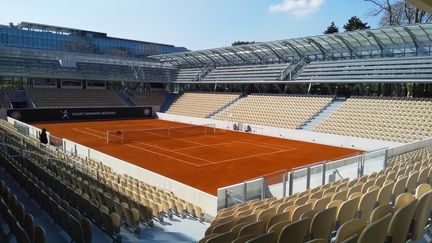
(209, 145)
(150, 133)
(251, 156)
(169, 150)
(269, 145)
(205, 135)
(167, 156)
(160, 154)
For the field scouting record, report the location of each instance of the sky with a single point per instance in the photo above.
(194, 24)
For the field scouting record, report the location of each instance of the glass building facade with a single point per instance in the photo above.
(30, 35)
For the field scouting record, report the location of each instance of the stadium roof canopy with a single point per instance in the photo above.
(403, 40)
(37, 63)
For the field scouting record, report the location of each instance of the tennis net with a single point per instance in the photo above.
(148, 134)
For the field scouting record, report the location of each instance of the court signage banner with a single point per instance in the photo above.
(79, 114)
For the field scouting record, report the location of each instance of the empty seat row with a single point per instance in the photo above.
(399, 120)
(149, 98)
(367, 69)
(20, 222)
(49, 98)
(380, 207)
(201, 104)
(287, 111)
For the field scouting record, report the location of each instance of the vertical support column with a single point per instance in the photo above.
(385, 159)
(291, 180)
(244, 192)
(323, 182)
(308, 175)
(284, 182)
(360, 170)
(226, 198)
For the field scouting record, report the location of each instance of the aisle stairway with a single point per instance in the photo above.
(321, 116)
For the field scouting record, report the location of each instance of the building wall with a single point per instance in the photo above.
(15, 37)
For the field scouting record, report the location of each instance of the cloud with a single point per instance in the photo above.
(298, 8)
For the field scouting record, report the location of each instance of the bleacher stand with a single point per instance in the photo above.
(386, 206)
(392, 119)
(49, 98)
(369, 69)
(187, 75)
(201, 104)
(149, 98)
(5, 95)
(269, 72)
(71, 187)
(287, 111)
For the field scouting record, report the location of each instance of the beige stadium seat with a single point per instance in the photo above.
(403, 200)
(323, 223)
(284, 216)
(237, 227)
(422, 189)
(376, 231)
(278, 227)
(221, 238)
(347, 210)
(351, 228)
(400, 222)
(258, 227)
(367, 204)
(295, 232)
(244, 238)
(264, 238)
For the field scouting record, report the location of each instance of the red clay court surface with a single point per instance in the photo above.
(206, 161)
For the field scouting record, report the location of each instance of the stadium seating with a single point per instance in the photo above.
(366, 213)
(393, 119)
(189, 74)
(49, 98)
(47, 63)
(5, 95)
(288, 111)
(201, 104)
(369, 69)
(20, 223)
(91, 188)
(269, 72)
(149, 98)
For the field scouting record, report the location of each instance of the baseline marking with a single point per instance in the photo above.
(197, 158)
(147, 132)
(251, 156)
(160, 154)
(208, 145)
(170, 150)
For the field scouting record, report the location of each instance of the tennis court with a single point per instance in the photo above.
(204, 158)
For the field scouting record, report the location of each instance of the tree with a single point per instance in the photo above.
(239, 43)
(398, 12)
(331, 29)
(354, 24)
